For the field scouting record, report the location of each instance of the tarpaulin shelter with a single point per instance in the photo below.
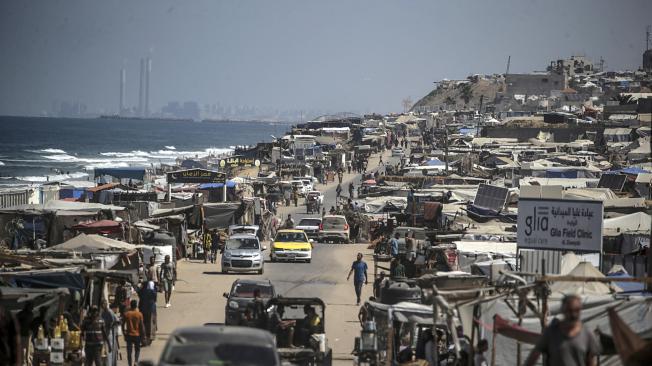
(99, 227)
(70, 278)
(635, 311)
(92, 243)
(583, 269)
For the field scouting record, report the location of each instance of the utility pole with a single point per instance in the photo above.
(648, 35)
(509, 60)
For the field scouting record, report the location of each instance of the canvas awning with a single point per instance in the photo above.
(92, 244)
(636, 223)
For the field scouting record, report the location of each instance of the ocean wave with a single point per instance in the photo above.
(106, 165)
(51, 178)
(52, 151)
(170, 147)
(1, 163)
(61, 157)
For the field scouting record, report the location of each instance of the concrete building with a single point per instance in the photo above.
(647, 60)
(534, 84)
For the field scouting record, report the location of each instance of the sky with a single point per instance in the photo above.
(337, 55)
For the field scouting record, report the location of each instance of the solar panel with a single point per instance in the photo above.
(615, 182)
(491, 197)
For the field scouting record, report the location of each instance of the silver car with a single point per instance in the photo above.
(334, 228)
(243, 253)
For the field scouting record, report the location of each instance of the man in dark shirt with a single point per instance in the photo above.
(359, 269)
(95, 336)
(25, 318)
(567, 342)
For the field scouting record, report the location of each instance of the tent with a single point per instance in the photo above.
(636, 223)
(583, 269)
(92, 244)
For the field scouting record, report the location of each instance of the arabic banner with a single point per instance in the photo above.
(239, 162)
(560, 224)
(196, 176)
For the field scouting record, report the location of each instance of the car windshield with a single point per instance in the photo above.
(291, 237)
(309, 222)
(334, 221)
(223, 354)
(242, 243)
(247, 290)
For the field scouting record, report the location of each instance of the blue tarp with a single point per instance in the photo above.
(129, 172)
(552, 173)
(627, 286)
(435, 162)
(633, 170)
(229, 184)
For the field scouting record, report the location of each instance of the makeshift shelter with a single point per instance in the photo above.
(92, 243)
(636, 223)
(583, 269)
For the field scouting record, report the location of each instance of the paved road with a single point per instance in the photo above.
(197, 298)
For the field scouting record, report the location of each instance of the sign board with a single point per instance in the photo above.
(239, 162)
(560, 224)
(196, 176)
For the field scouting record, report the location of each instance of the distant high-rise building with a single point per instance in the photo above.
(148, 71)
(123, 90)
(141, 90)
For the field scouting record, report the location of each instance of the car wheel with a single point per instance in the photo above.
(308, 261)
(272, 259)
(224, 271)
(261, 271)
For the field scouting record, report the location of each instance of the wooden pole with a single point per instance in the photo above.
(493, 344)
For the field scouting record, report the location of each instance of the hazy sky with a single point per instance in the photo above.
(339, 55)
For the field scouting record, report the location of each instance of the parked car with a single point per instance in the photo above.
(291, 245)
(300, 186)
(308, 182)
(242, 295)
(310, 225)
(397, 151)
(334, 228)
(219, 345)
(243, 253)
(243, 229)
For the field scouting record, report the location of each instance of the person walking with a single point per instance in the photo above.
(25, 318)
(215, 245)
(152, 271)
(393, 246)
(147, 307)
(94, 334)
(351, 189)
(207, 240)
(340, 175)
(359, 271)
(167, 276)
(134, 330)
(338, 190)
(567, 342)
(110, 322)
(289, 223)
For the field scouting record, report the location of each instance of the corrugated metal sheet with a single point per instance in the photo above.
(14, 198)
(530, 261)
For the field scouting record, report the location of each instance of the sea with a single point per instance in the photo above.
(37, 150)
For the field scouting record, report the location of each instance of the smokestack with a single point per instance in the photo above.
(123, 90)
(148, 71)
(141, 90)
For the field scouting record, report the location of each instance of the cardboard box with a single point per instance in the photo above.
(57, 344)
(56, 358)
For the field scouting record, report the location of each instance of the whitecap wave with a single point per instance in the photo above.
(52, 151)
(106, 165)
(52, 178)
(1, 163)
(170, 147)
(61, 157)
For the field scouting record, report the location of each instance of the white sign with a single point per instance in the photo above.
(560, 224)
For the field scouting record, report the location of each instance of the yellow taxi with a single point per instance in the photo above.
(291, 246)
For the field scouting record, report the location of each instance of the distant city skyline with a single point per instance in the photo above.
(361, 56)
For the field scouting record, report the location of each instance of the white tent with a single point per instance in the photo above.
(636, 223)
(93, 244)
(583, 269)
